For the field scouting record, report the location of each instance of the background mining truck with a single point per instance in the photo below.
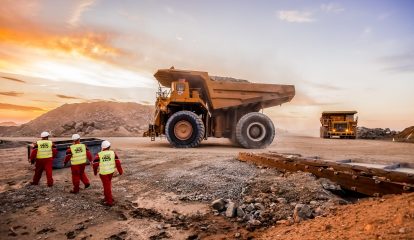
(342, 124)
(197, 106)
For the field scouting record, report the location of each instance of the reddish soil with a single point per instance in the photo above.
(391, 217)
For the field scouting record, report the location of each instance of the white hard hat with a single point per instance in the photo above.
(44, 134)
(105, 144)
(75, 136)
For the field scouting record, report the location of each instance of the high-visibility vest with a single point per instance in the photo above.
(78, 154)
(44, 149)
(106, 162)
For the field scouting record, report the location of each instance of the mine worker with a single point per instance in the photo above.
(42, 155)
(79, 156)
(107, 161)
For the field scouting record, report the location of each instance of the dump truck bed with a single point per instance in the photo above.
(229, 94)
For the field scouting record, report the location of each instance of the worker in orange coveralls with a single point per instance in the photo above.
(42, 155)
(78, 155)
(107, 161)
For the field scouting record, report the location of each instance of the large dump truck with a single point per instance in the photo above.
(342, 124)
(197, 106)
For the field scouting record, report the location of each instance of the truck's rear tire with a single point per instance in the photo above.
(255, 130)
(184, 129)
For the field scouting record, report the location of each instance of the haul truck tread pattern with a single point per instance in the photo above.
(255, 130)
(193, 129)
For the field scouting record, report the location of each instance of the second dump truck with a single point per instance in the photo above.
(197, 106)
(342, 124)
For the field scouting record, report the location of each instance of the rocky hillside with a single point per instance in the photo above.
(88, 119)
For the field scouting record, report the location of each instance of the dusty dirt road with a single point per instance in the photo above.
(166, 192)
(330, 149)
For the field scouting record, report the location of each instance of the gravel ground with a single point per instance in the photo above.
(164, 193)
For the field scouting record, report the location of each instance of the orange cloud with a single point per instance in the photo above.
(7, 106)
(20, 26)
(11, 94)
(67, 97)
(92, 45)
(14, 79)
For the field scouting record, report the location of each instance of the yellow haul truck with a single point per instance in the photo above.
(342, 124)
(197, 106)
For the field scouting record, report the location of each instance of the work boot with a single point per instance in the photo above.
(87, 185)
(71, 191)
(107, 204)
(33, 183)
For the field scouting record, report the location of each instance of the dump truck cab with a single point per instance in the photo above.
(183, 95)
(342, 124)
(197, 106)
(180, 96)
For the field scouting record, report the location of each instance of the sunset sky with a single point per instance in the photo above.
(340, 55)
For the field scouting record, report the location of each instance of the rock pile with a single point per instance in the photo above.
(375, 133)
(286, 201)
(228, 79)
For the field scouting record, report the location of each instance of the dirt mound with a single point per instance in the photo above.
(407, 135)
(391, 217)
(88, 119)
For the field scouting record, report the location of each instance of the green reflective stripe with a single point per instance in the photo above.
(44, 149)
(106, 162)
(78, 154)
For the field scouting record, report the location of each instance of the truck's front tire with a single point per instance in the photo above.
(184, 129)
(323, 132)
(255, 130)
